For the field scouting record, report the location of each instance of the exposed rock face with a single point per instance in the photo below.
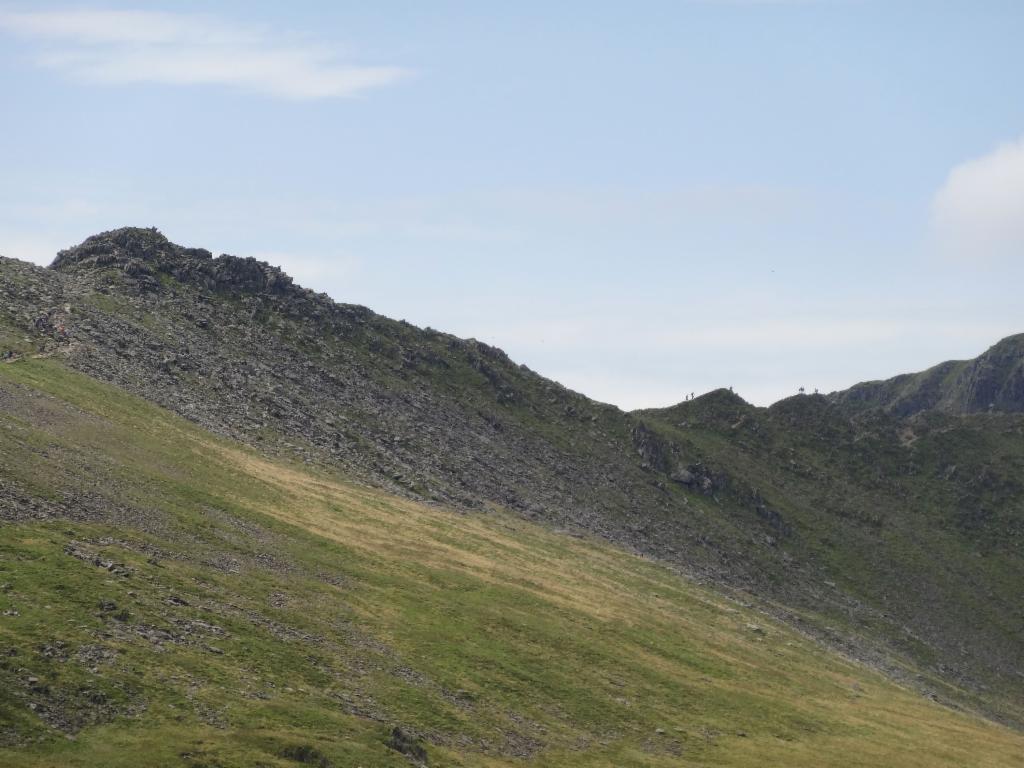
(815, 490)
(994, 381)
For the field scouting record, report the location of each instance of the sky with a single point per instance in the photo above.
(640, 200)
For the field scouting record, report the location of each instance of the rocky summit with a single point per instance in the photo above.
(884, 523)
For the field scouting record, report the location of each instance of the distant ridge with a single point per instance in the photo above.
(993, 381)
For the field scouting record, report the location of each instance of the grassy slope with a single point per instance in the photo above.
(377, 397)
(261, 606)
(933, 503)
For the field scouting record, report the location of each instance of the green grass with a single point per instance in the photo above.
(873, 505)
(257, 607)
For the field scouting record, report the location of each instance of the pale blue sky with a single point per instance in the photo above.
(638, 199)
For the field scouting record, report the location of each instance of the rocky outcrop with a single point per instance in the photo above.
(146, 255)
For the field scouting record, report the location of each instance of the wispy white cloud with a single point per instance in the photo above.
(121, 47)
(978, 213)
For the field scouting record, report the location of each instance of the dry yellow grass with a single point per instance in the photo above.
(489, 632)
(873, 721)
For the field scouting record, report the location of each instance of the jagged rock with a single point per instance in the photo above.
(409, 745)
(307, 755)
(684, 476)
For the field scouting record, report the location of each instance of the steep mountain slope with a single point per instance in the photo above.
(918, 523)
(170, 598)
(895, 538)
(994, 381)
(231, 344)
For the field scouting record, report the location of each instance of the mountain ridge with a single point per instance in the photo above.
(993, 381)
(777, 503)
